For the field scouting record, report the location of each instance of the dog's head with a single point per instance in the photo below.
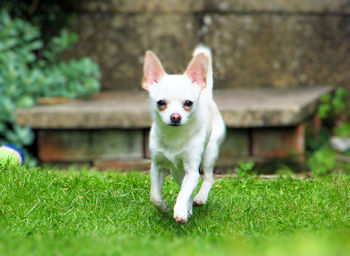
(174, 98)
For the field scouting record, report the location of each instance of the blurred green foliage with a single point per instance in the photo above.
(244, 169)
(30, 69)
(343, 130)
(322, 161)
(333, 105)
(335, 114)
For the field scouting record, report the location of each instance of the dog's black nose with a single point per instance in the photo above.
(175, 118)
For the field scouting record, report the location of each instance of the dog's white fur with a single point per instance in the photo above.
(195, 141)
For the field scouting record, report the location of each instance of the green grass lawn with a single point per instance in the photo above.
(45, 212)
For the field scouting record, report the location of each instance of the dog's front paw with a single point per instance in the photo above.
(199, 201)
(180, 220)
(180, 215)
(161, 206)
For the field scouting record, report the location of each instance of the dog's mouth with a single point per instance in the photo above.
(174, 124)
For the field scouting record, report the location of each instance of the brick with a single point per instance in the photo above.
(63, 145)
(84, 145)
(123, 165)
(316, 123)
(236, 144)
(278, 142)
(147, 153)
(116, 144)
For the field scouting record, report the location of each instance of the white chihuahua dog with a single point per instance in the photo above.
(187, 129)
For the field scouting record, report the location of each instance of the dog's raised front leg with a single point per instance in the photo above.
(183, 206)
(157, 181)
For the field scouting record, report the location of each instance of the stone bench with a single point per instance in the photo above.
(110, 130)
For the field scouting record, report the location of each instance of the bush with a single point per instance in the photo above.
(244, 169)
(335, 115)
(322, 161)
(30, 70)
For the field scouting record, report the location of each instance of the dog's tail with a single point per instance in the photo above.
(206, 50)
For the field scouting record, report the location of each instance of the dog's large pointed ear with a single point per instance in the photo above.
(152, 70)
(197, 69)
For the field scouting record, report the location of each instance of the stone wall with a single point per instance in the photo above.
(255, 43)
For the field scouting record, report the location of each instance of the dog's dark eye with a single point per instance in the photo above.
(161, 103)
(188, 103)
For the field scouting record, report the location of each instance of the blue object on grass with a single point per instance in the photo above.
(18, 150)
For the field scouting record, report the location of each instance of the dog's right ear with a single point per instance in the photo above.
(152, 70)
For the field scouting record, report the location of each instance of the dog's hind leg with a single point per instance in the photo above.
(209, 159)
(157, 182)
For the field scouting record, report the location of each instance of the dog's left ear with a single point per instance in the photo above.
(153, 70)
(197, 69)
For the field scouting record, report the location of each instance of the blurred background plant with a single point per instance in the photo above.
(244, 169)
(330, 147)
(31, 66)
